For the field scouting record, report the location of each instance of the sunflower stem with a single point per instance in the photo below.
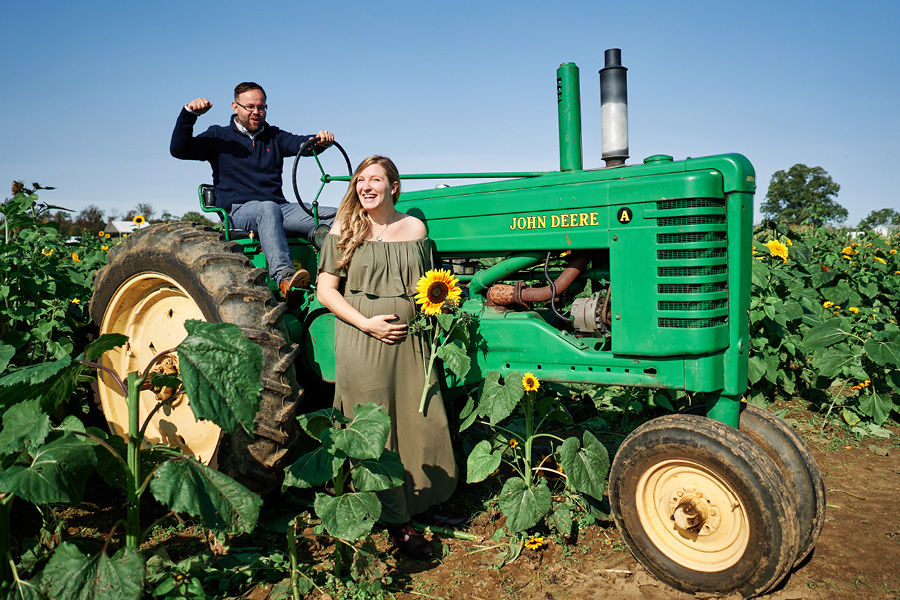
(428, 369)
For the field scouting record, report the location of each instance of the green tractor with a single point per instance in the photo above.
(724, 497)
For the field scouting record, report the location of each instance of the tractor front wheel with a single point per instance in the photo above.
(702, 507)
(157, 279)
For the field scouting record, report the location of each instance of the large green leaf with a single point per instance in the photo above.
(498, 400)
(104, 344)
(884, 349)
(376, 474)
(832, 360)
(75, 576)
(562, 519)
(455, 358)
(57, 473)
(830, 332)
(349, 516)
(314, 422)
(756, 369)
(35, 374)
(185, 485)
(25, 427)
(220, 370)
(316, 466)
(6, 354)
(21, 590)
(482, 462)
(587, 467)
(366, 434)
(877, 406)
(468, 414)
(523, 506)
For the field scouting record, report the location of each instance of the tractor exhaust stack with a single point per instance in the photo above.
(614, 109)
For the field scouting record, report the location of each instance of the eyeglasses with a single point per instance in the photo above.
(261, 108)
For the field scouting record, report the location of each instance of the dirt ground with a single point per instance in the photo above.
(857, 555)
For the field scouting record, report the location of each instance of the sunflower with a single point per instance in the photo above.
(435, 288)
(47, 251)
(778, 249)
(75, 257)
(853, 309)
(75, 300)
(534, 542)
(513, 442)
(530, 383)
(107, 236)
(139, 220)
(828, 304)
(104, 247)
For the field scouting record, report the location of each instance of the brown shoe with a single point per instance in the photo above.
(410, 542)
(299, 279)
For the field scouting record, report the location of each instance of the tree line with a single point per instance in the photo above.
(92, 220)
(805, 195)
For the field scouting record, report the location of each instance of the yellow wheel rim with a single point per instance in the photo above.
(151, 309)
(692, 515)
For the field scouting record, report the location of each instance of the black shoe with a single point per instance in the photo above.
(439, 518)
(410, 542)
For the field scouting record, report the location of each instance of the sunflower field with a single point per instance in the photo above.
(823, 321)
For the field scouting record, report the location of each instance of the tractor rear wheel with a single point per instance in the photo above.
(702, 507)
(164, 275)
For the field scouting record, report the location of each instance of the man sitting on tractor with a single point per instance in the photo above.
(247, 158)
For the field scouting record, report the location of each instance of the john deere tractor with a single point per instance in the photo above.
(724, 497)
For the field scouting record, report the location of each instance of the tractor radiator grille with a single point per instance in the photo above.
(692, 271)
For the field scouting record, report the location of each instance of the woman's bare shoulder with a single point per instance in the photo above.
(413, 228)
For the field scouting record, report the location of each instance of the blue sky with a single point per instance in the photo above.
(93, 88)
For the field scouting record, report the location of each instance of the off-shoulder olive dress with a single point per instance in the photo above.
(381, 280)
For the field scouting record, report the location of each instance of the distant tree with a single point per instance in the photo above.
(67, 227)
(885, 216)
(196, 217)
(91, 220)
(166, 216)
(144, 209)
(803, 195)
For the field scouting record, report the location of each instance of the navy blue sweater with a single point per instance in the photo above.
(243, 169)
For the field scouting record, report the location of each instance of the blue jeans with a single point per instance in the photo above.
(272, 223)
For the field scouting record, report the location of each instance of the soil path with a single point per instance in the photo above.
(857, 555)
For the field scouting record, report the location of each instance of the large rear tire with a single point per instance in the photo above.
(154, 281)
(702, 507)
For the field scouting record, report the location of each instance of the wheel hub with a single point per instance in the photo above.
(679, 504)
(694, 512)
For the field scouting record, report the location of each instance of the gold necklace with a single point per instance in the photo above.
(391, 222)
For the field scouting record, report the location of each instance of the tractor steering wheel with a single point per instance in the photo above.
(325, 177)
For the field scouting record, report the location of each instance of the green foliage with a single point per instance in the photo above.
(45, 284)
(803, 195)
(187, 486)
(71, 574)
(230, 396)
(347, 446)
(514, 418)
(43, 464)
(824, 317)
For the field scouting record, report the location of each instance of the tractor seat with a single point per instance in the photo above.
(208, 204)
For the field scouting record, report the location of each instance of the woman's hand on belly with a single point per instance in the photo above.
(382, 328)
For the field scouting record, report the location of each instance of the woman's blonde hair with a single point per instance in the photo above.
(352, 218)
